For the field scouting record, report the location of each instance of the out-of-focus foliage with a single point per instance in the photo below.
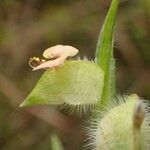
(27, 27)
(56, 143)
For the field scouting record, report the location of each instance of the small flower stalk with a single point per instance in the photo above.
(138, 117)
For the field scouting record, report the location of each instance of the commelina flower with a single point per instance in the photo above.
(54, 57)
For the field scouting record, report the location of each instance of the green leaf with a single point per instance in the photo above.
(74, 83)
(104, 53)
(56, 143)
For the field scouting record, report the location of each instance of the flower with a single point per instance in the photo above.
(55, 56)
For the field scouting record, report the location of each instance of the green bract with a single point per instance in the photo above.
(115, 131)
(74, 83)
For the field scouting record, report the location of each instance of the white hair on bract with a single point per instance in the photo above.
(124, 125)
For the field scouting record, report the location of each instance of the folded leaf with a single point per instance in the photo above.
(104, 53)
(74, 83)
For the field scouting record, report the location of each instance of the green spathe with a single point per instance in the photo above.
(115, 129)
(75, 83)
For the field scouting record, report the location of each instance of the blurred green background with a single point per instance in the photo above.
(27, 27)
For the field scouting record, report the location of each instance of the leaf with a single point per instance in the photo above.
(74, 83)
(56, 143)
(104, 53)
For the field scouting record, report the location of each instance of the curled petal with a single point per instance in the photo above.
(59, 51)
